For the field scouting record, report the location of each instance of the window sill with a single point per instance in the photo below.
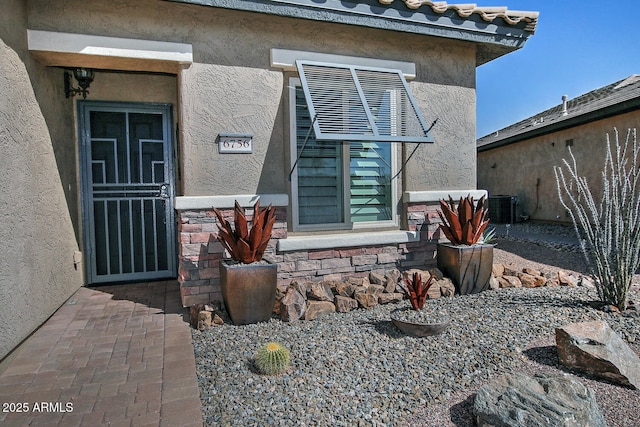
(346, 240)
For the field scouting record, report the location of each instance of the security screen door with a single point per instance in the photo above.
(127, 179)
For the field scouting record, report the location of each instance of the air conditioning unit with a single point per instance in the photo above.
(502, 209)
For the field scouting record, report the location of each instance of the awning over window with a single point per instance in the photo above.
(353, 103)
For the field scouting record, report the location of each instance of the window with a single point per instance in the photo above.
(344, 121)
(336, 183)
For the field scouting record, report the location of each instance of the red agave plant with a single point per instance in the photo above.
(463, 225)
(416, 290)
(244, 245)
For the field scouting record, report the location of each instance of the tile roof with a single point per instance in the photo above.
(615, 98)
(487, 13)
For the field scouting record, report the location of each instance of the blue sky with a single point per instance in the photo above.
(578, 46)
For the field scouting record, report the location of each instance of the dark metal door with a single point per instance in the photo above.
(127, 181)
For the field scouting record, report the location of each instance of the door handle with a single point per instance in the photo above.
(164, 191)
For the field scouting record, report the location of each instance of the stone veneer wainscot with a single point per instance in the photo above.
(306, 258)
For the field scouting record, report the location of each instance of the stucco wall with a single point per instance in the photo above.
(37, 271)
(232, 88)
(525, 169)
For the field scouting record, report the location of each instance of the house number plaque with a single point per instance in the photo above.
(235, 143)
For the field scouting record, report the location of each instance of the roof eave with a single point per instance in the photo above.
(494, 39)
(566, 123)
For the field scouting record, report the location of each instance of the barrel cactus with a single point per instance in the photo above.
(272, 359)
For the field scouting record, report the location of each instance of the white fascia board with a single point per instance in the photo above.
(223, 202)
(85, 44)
(346, 240)
(286, 60)
(436, 196)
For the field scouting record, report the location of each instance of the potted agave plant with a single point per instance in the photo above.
(416, 320)
(248, 284)
(465, 260)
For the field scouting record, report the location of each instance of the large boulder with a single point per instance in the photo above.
(594, 347)
(516, 400)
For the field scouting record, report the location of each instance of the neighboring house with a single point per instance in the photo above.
(518, 160)
(315, 107)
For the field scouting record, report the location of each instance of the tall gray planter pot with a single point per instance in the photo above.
(248, 291)
(468, 267)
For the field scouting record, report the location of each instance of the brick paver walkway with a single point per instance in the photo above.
(116, 355)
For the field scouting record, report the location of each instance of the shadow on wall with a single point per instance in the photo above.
(273, 176)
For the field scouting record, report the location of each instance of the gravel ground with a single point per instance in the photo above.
(357, 369)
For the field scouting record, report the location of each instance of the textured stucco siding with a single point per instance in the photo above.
(231, 87)
(525, 169)
(37, 271)
(224, 99)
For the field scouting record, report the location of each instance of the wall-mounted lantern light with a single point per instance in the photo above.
(84, 76)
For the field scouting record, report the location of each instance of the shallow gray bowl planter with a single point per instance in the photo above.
(248, 290)
(411, 322)
(468, 267)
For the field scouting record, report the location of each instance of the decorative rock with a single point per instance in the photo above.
(595, 348)
(494, 283)
(375, 289)
(447, 288)
(359, 281)
(532, 271)
(301, 287)
(345, 289)
(293, 305)
(497, 270)
(390, 286)
(530, 280)
(194, 312)
(553, 282)
(509, 282)
(387, 298)
(434, 290)
(586, 281)
(392, 277)
(409, 273)
(319, 291)
(515, 400)
(509, 271)
(277, 306)
(436, 273)
(344, 304)
(217, 320)
(204, 320)
(377, 279)
(567, 279)
(318, 308)
(360, 289)
(365, 299)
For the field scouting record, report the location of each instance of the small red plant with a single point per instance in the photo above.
(416, 290)
(244, 245)
(463, 225)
